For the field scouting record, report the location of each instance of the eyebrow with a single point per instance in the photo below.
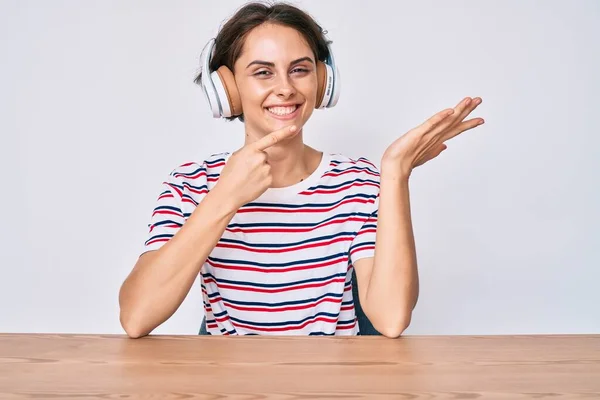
(270, 64)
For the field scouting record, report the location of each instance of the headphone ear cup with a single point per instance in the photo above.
(227, 93)
(337, 85)
(321, 83)
(206, 82)
(327, 87)
(230, 90)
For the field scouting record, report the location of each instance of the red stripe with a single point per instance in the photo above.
(271, 269)
(175, 188)
(168, 212)
(190, 176)
(157, 241)
(188, 200)
(281, 309)
(361, 248)
(163, 226)
(345, 327)
(278, 250)
(197, 191)
(350, 170)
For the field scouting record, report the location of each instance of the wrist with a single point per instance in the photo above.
(225, 200)
(394, 170)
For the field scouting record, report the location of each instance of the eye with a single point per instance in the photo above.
(262, 73)
(300, 70)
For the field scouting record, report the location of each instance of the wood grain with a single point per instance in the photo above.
(204, 367)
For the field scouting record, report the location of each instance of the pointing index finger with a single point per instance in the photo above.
(275, 137)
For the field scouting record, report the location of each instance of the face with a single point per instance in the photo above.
(276, 77)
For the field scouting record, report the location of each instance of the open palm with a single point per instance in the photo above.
(426, 141)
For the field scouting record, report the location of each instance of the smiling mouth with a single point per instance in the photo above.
(282, 111)
(286, 111)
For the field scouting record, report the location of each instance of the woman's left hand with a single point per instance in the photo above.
(426, 141)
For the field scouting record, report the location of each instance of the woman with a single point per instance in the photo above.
(277, 228)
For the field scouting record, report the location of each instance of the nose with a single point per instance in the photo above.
(285, 89)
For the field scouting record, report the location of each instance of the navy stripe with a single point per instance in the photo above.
(363, 244)
(298, 225)
(352, 168)
(282, 245)
(159, 236)
(171, 208)
(274, 285)
(197, 170)
(167, 221)
(343, 184)
(284, 323)
(201, 187)
(309, 205)
(218, 160)
(285, 303)
(228, 261)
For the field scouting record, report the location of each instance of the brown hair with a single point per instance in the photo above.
(230, 39)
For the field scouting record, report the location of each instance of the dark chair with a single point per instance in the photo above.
(366, 328)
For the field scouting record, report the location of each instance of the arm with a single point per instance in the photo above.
(390, 279)
(161, 279)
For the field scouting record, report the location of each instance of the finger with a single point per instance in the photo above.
(274, 137)
(264, 157)
(434, 121)
(457, 116)
(463, 127)
(465, 108)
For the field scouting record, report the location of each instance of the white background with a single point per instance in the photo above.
(97, 106)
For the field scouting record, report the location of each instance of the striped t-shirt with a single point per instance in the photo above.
(284, 264)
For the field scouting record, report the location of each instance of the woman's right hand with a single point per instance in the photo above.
(247, 173)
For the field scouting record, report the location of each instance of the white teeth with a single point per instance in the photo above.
(282, 110)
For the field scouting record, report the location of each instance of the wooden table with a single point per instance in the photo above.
(203, 367)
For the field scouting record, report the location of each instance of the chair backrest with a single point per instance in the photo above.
(365, 326)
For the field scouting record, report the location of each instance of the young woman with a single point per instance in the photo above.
(277, 229)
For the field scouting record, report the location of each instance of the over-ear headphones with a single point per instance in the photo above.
(224, 99)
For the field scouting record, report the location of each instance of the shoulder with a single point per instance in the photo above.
(196, 176)
(359, 177)
(356, 167)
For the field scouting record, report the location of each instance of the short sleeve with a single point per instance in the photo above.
(363, 244)
(178, 196)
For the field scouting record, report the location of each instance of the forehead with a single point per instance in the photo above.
(272, 42)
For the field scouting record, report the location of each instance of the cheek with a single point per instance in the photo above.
(308, 88)
(252, 94)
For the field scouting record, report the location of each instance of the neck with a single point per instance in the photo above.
(291, 161)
